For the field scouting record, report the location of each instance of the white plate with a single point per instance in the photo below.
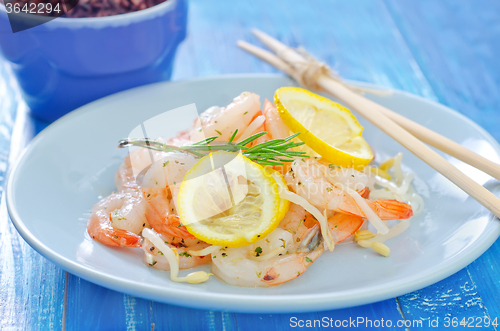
(71, 163)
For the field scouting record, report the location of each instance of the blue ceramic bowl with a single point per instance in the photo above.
(68, 62)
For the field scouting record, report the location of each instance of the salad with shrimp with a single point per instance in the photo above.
(259, 191)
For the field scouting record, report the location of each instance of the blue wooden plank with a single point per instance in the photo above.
(92, 307)
(448, 303)
(250, 322)
(384, 315)
(457, 45)
(357, 38)
(174, 318)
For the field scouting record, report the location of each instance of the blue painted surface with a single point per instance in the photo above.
(443, 50)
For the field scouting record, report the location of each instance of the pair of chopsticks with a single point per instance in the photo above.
(315, 75)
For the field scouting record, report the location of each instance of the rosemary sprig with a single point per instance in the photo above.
(272, 152)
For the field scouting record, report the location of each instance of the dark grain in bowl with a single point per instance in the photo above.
(88, 8)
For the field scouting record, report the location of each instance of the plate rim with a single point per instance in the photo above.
(243, 302)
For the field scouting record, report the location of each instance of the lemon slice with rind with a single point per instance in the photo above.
(226, 199)
(280, 180)
(327, 127)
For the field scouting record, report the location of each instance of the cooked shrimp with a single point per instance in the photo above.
(159, 261)
(133, 167)
(274, 125)
(161, 184)
(276, 259)
(117, 219)
(299, 222)
(223, 121)
(182, 139)
(342, 226)
(322, 184)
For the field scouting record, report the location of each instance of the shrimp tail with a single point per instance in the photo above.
(174, 228)
(365, 192)
(117, 237)
(390, 209)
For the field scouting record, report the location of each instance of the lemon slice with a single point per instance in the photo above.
(280, 180)
(227, 200)
(328, 128)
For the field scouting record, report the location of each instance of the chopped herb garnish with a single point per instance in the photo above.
(224, 254)
(245, 113)
(298, 239)
(185, 254)
(258, 251)
(308, 259)
(284, 242)
(220, 134)
(258, 274)
(329, 189)
(165, 163)
(333, 166)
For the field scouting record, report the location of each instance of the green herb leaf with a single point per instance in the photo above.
(258, 251)
(273, 152)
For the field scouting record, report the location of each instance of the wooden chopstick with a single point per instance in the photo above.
(428, 136)
(289, 61)
(444, 144)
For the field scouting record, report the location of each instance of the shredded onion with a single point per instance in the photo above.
(173, 260)
(205, 251)
(297, 199)
(416, 202)
(393, 187)
(256, 123)
(369, 213)
(397, 168)
(396, 230)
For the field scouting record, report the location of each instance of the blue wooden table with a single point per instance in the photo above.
(447, 51)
